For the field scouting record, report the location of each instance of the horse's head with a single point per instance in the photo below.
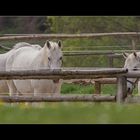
(54, 54)
(132, 62)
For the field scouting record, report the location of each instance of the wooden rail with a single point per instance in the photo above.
(66, 73)
(95, 34)
(91, 52)
(60, 36)
(62, 98)
(62, 73)
(133, 74)
(100, 52)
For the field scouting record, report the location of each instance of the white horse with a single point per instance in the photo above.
(132, 62)
(3, 59)
(3, 84)
(29, 58)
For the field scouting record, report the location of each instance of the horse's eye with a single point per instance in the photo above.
(60, 58)
(135, 68)
(49, 58)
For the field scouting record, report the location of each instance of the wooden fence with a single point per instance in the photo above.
(120, 75)
(79, 73)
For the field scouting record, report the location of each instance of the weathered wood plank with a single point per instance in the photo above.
(133, 74)
(66, 98)
(91, 52)
(97, 88)
(62, 74)
(106, 80)
(121, 89)
(84, 35)
(97, 52)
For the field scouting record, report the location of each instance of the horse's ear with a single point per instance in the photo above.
(59, 44)
(125, 55)
(48, 44)
(135, 54)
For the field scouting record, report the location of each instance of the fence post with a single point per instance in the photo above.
(110, 60)
(97, 87)
(121, 89)
(133, 44)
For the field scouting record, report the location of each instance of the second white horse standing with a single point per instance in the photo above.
(132, 63)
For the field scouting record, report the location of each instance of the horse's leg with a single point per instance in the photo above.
(57, 89)
(37, 92)
(12, 87)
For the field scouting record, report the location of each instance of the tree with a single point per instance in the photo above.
(89, 24)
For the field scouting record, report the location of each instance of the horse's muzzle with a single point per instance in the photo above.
(56, 80)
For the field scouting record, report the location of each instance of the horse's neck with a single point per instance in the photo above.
(42, 58)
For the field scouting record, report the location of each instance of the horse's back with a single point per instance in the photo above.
(22, 59)
(3, 59)
(28, 58)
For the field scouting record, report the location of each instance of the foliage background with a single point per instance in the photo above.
(68, 24)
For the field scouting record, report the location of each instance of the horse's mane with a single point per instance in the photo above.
(25, 44)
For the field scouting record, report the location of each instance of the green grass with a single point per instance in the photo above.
(87, 89)
(70, 113)
(72, 88)
(110, 89)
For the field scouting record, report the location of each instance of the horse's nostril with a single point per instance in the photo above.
(56, 81)
(128, 90)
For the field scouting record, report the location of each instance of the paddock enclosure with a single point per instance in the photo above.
(97, 65)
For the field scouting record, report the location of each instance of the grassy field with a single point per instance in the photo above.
(70, 113)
